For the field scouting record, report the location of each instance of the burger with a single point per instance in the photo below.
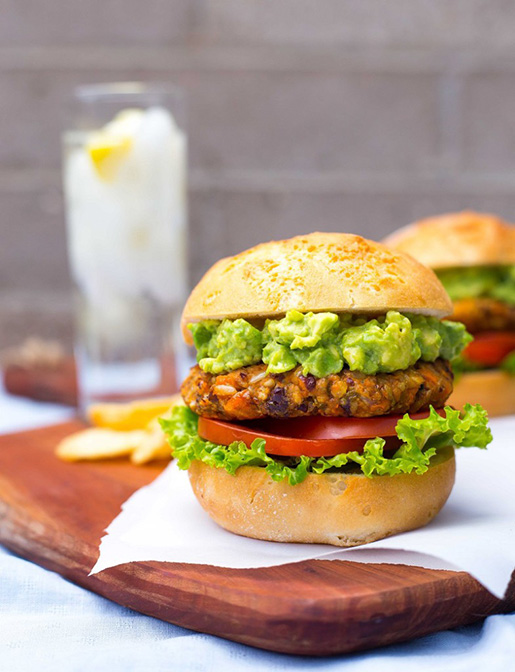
(473, 255)
(316, 412)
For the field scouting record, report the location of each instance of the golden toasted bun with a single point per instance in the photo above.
(494, 390)
(338, 509)
(457, 239)
(338, 272)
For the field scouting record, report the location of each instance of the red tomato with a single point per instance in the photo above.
(490, 347)
(315, 436)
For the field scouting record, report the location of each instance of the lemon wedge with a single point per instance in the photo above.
(107, 153)
(108, 147)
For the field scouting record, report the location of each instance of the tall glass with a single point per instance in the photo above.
(124, 169)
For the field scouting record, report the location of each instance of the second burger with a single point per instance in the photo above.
(473, 255)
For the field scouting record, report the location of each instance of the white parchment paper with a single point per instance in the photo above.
(475, 531)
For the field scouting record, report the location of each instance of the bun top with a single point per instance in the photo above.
(337, 272)
(457, 239)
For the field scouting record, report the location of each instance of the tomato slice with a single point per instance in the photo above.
(314, 436)
(490, 347)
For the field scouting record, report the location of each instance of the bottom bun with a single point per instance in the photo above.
(333, 508)
(494, 390)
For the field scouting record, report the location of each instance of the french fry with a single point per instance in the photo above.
(132, 415)
(130, 429)
(99, 444)
(153, 446)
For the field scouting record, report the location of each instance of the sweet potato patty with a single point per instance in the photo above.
(484, 315)
(250, 392)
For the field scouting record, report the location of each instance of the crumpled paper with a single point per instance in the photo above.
(475, 532)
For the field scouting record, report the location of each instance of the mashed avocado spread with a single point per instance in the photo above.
(496, 282)
(323, 343)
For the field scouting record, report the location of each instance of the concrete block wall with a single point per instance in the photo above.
(356, 115)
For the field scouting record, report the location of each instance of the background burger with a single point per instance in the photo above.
(473, 255)
(310, 350)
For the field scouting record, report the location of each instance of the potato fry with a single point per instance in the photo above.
(129, 429)
(153, 446)
(131, 415)
(98, 444)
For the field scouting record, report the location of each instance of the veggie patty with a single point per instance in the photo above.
(250, 392)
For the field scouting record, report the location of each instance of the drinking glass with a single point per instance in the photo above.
(124, 171)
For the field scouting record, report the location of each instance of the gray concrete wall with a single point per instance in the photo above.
(356, 115)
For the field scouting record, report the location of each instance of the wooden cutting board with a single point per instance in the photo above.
(54, 513)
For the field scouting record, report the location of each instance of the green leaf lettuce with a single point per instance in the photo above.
(422, 439)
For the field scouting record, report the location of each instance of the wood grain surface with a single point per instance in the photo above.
(54, 513)
(58, 383)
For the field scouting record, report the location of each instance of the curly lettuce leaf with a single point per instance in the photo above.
(422, 439)
(461, 365)
(508, 364)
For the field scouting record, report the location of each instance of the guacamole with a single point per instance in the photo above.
(225, 346)
(496, 282)
(323, 343)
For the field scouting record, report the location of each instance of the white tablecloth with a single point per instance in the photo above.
(47, 623)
